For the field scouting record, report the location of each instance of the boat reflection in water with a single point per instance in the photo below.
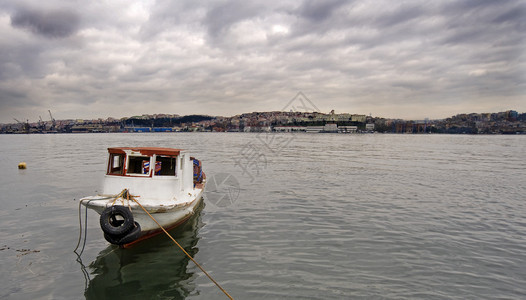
(152, 269)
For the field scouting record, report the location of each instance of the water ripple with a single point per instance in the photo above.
(329, 217)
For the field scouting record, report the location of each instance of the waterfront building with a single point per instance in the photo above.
(347, 129)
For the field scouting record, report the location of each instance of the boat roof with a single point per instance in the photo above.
(146, 150)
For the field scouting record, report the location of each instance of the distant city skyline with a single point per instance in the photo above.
(156, 116)
(409, 60)
(508, 122)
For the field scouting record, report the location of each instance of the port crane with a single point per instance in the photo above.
(25, 126)
(41, 124)
(53, 122)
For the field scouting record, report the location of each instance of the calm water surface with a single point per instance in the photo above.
(315, 216)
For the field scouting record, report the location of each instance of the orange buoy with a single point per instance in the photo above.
(22, 165)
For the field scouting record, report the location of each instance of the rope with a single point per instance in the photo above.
(120, 195)
(79, 259)
(80, 229)
(128, 198)
(182, 249)
(86, 220)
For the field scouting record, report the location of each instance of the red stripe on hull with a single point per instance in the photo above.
(155, 233)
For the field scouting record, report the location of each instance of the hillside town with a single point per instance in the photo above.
(507, 122)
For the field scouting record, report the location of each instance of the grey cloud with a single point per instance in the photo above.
(455, 7)
(515, 14)
(221, 17)
(15, 95)
(495, 13)
(10, 97)
(319, 11)
(166, 15)
(20, 61)
(50, 24)
(349, 54)
(402, 14)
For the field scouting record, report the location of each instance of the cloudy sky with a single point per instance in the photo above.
(400, 59)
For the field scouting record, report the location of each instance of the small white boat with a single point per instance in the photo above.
(165, 182)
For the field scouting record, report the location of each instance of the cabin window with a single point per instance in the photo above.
(116, 164)
(165, 165)
(138, 165)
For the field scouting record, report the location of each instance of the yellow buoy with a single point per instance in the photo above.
(22, 165)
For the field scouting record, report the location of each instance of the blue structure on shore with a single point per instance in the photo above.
(163, 129)
(141, 129)
(151, 129)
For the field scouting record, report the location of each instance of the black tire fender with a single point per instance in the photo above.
(113, 227)
(133, 235)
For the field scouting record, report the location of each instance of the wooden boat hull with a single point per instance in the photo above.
(168, 217)
(173, 222)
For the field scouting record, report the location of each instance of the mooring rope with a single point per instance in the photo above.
(86, 222)
(182, 249)
(129, 197)
(80, 229)
(79, 259)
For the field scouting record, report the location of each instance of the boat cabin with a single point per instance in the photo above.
(149, 172)
(137, 161)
